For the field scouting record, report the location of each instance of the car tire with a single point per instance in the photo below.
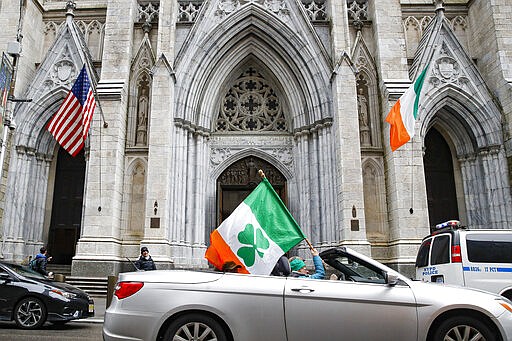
(30, 313)
(195, 327)
(463, 328)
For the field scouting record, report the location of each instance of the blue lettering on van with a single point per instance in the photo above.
(474, 269)
(430, 271)
(496, 269)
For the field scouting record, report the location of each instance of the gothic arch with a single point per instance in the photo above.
(31, 131)
(254, 32)
(458, 109)
(474, 135)
(251, 152)
(140, 90)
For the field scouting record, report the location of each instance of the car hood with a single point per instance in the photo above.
(48, 284)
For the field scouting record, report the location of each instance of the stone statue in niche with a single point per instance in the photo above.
(142, 118)
(364, 128)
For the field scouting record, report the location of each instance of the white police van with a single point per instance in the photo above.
(479, 259)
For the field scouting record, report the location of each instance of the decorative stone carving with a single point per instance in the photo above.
(188, 11)
(63, 72)
(315, 10)
(251, 104)
(447, 70)
(364, 125)
(148, 13)
(278, 7)
(279, 147)
(245, 171)
(357, 10)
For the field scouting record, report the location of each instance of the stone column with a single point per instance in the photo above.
(161, 141)
(349, 191)
(492, 42)
(98, 251)
(406, 191)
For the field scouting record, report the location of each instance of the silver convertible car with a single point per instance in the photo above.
(368, 301)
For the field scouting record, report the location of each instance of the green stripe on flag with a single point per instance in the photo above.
(417, 90)
(273, 216)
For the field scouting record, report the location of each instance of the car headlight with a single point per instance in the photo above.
(68, 295)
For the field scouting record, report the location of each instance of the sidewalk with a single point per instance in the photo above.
(99, 311)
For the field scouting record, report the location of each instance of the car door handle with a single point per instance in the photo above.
(303, 290)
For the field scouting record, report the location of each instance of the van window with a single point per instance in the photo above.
(440, 250)
(422, 258)
(489, 248)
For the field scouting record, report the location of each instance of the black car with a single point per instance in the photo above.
(31, 299)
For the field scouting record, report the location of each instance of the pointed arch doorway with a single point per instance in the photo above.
(66, 217)
(440, 179)
(239, 179)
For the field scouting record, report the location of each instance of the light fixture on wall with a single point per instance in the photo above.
(155, 207)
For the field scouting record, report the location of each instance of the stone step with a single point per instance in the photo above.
(94, 286)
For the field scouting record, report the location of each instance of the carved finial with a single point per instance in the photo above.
(70, 10)
(439, 6)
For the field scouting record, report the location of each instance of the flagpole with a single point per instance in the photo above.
(260, 172)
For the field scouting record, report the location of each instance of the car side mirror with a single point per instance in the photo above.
(391, 279)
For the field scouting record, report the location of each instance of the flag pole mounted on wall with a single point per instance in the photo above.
(70, 125)
(402, 118)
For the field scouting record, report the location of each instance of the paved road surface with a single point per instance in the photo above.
(73, 331)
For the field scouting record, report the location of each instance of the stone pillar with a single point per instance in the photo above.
(162, 149)
(406, 191)
(349, 191)
(492, 43)
(98, 250)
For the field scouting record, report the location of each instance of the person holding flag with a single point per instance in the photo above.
(299, 267)
(258, 232)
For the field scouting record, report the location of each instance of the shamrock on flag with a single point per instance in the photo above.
(256, 234)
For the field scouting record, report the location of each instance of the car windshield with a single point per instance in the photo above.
(355, 270)
(24, 271)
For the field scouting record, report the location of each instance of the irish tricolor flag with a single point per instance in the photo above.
(404, 113)
(256, 234)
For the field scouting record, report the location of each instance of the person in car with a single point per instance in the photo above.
(299, 267)
(282, 267)
(145, 262)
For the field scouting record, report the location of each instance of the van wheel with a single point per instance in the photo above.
(195, 327)
(464, 328)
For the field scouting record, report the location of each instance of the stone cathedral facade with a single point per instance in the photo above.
(195, 96)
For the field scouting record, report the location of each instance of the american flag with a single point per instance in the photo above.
(70, 125)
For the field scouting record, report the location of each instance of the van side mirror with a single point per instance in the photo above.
(391, 279)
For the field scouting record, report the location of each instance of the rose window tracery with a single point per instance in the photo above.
(251, 104)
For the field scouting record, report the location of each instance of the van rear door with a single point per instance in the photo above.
(488, 260)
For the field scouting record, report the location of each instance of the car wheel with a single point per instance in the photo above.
(195, 327)
(464, 328)
(30, 313)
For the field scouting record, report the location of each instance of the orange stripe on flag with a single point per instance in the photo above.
(219, 253)
(398, 133)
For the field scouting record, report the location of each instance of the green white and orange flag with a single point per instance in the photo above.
(402, 116)
(256, 234)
